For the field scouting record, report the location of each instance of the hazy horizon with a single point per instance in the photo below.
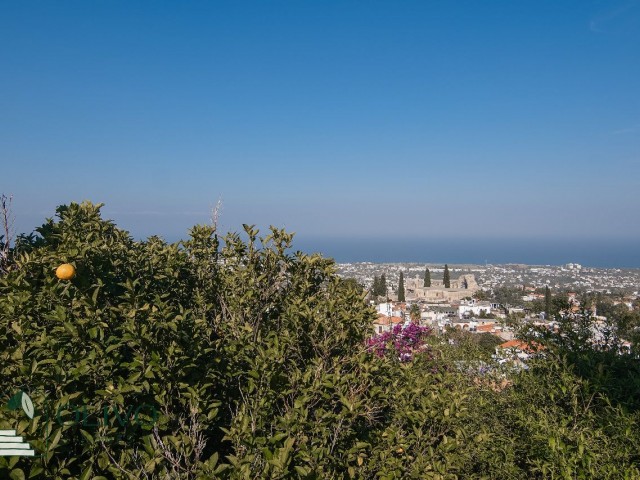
(591, 251)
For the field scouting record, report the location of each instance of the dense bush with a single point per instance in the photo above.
(230, 358)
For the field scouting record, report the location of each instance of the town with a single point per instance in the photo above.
(493, 299)
(569, 276)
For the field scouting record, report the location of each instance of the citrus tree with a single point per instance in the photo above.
(237, 357)
(152, 356)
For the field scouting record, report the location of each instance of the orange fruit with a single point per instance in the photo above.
(66, 271)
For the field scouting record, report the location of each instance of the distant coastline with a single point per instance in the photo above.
(590, 252)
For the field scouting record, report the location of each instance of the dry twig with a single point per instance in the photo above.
(7, 233)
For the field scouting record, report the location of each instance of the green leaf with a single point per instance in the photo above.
(17, 474)
(87, 473)
(87, 436)
(15, 402)
(302, 471)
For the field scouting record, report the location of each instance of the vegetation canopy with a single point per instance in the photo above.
(235, 357)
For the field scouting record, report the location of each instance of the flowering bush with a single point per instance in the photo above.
(403, 340)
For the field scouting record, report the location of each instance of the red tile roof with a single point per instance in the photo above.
(523, 346)
(486, 328)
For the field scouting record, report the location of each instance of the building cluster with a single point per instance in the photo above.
(456, 306)
(476, 317)
(439, 308)
(571, 276)
(468, 315)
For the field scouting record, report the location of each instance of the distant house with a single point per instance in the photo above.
(517, 350)
(513, 310)
(475, 309)
(385, 308)
(385, 323)
(487, 328)
(461, 324)
(392, 309)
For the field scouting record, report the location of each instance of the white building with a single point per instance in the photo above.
(474, 309)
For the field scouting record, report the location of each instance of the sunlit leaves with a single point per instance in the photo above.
(237, 357)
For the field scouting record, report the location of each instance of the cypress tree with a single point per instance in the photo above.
(383, 285)
(547, 302)
(401, 288)
(376, 286)
(446, 280)
(427, 278)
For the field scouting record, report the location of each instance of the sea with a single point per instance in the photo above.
(598, 253)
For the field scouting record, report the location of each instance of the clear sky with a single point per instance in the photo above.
(329, 118)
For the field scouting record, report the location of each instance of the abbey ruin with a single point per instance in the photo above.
(462, 287)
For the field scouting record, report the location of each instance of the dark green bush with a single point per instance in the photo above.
(229, 358)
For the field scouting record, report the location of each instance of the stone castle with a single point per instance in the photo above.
(462, 287)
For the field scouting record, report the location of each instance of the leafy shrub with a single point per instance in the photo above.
(219, 357)
(192, 331)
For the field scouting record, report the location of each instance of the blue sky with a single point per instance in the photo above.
(340, 119)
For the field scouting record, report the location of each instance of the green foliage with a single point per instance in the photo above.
(188, 330)
(507, 296)
(547, 302)
(427, 278)
(543, 423)
(446, 279)
(627, 321)
(594, 349)
(375, 289)
(379, 288)
(354, 283)
(488, 342)
(414, 312)
(559, 305)
(219, 357)
(401, 288)
(475, 346)
(481, 295)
